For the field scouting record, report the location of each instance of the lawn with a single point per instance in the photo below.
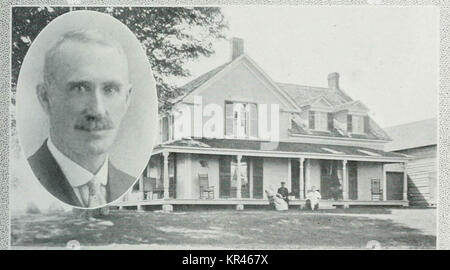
(229, 229)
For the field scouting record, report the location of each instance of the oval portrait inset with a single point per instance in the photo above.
(86, 108)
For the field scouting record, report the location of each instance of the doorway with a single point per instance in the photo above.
(394, 185)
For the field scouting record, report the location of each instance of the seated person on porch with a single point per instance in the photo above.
(275, 199)
(312, 199)
(336, 191)
(284, 192)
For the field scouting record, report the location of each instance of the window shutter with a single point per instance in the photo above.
(224, 176)
(253, 120)
(311, 120)
(165, 129)
(349, 123)
(366, 124)
(228, 118)
(171, 127)
(160, 130)
(258, 172)
(330, 121)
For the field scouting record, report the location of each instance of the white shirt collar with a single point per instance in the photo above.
(75, 174)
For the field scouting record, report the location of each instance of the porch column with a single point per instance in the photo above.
(405, 182)
(141, 187)
(345, 180)
(384, 184)
(307, 176)
(238, 176)
(166, 174)
(301, 179)
(250, 178)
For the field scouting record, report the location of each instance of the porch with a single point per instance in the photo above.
(240, 204)
(345, 175)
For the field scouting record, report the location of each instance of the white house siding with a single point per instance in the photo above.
(195, 169)
(313, 174)
(422, 175)
(422, 181)
(366, 172)
(276, 170)
(182, 179)
(243, 85)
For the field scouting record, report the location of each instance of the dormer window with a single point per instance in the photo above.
(321, 121)
(358, 124)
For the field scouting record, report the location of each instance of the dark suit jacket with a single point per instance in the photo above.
(53, 179)
(283, 191)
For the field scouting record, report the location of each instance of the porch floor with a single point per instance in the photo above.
(245, 201)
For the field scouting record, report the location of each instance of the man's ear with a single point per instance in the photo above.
(43, 96)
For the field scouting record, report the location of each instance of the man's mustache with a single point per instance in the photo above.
(94, 122)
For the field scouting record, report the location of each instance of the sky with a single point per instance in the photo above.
(387, 57)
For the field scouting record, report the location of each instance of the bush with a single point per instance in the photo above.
(32, 208)
(55, 208)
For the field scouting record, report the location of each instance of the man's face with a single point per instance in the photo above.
(87, 97)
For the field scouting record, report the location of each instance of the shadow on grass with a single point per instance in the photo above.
(222, 229)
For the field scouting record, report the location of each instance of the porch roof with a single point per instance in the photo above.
(290, 149)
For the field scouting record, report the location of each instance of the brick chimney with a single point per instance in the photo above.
(333, 80)
(237, 47)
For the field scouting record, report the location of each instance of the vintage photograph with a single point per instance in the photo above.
(271, 127)
(74, 86)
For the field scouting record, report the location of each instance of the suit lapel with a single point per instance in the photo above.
(48, 172)
(118, 183)
(54, 179)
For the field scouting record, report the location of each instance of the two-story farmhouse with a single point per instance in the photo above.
(243, 133)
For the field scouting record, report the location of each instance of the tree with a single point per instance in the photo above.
(171, 37)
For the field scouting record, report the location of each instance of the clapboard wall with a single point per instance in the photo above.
(422, 175)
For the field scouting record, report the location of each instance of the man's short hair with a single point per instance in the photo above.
(83, 36)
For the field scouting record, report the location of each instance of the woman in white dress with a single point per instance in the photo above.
(276, 199)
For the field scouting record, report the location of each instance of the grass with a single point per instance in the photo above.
(223, 229)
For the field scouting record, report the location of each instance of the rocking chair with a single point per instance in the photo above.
(206, 191)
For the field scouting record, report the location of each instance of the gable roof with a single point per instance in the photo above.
(296, 95)
(412, 135)
(197, 83)
(351, 105)
(304, 95)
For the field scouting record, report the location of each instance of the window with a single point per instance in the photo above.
(244, 179)
(241, 119)
(166, 125)
(358, 124)
(164, 129)
(320, 121)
